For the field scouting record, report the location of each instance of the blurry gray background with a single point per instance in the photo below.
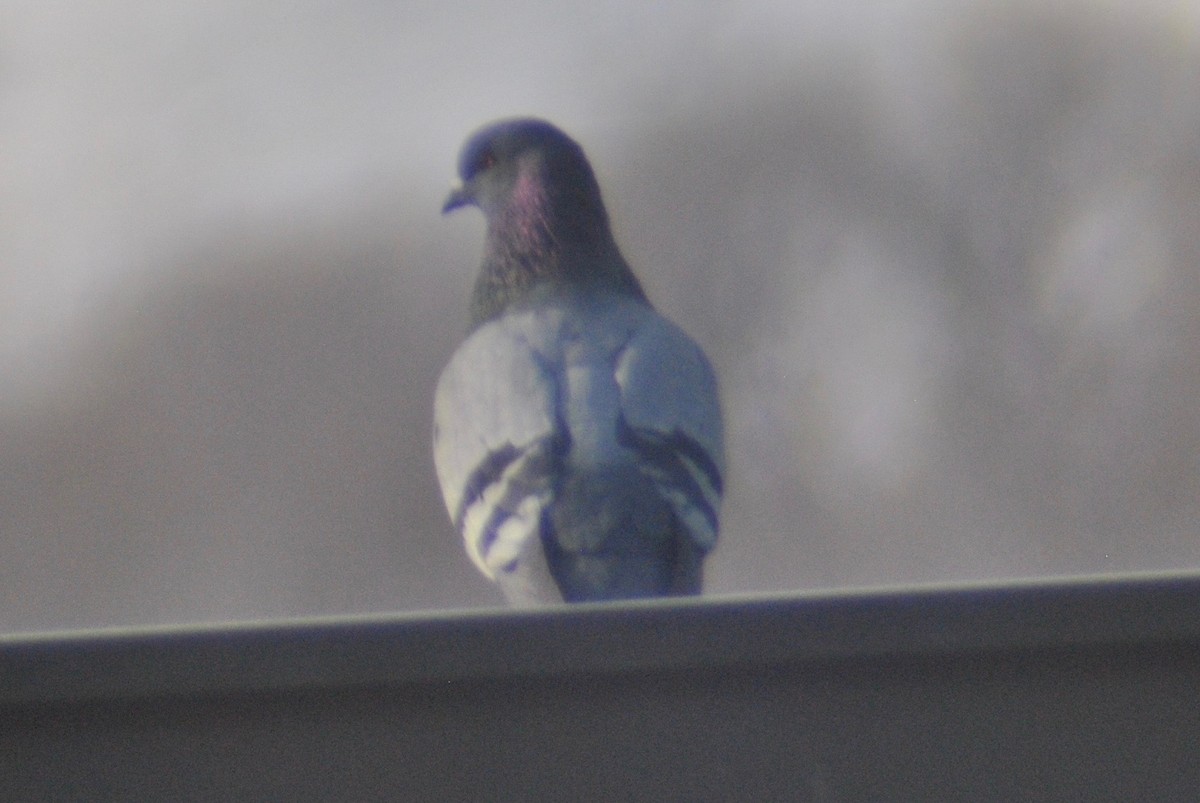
(943, 255)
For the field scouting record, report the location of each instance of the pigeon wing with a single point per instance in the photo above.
(671, 416)
(496, 441)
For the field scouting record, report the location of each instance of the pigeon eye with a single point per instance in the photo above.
(486, 161)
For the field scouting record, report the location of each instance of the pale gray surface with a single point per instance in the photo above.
(1050, 692)
(943, 258)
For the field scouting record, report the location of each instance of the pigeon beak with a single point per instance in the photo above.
(458, 197)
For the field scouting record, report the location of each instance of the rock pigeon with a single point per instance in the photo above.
(577, 432)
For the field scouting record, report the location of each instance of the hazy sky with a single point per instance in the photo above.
(943, 256)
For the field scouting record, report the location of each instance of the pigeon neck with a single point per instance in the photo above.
(540, 237)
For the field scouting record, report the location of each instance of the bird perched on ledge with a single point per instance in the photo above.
(577, 432)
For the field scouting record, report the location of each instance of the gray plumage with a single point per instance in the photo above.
(577, 433)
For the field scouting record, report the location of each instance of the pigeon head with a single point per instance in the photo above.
(505, 159)
(546, 220)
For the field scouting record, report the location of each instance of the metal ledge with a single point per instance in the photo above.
(1032, 690)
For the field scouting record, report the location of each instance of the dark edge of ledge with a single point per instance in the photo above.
(1061, 615)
